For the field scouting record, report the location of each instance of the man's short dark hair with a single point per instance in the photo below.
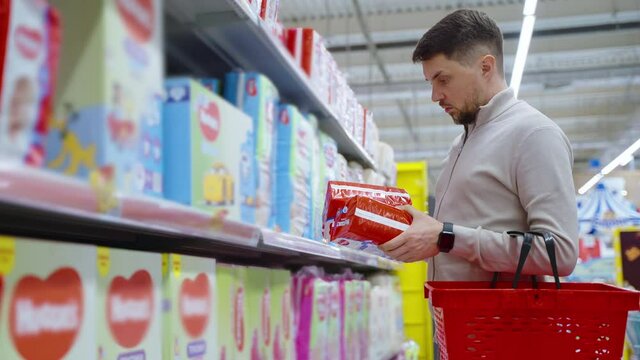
(461, 35)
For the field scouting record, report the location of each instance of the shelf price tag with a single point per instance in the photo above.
(7, 254)
(103, 183)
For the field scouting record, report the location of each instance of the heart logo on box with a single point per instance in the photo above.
(195, 305)
(130, 308)
(138, 17)
(238, 318)
(209, 118)
(45, 316)
(28, 41)
(252, 90)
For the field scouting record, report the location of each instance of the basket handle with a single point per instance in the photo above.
(524, 253)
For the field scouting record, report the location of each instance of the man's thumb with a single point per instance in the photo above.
(411, 210)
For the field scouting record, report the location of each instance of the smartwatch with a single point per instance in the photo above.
(447, 238)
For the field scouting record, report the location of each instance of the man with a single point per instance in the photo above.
(509, 170)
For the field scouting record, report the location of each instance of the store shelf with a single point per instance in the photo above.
(286, 242)
(41, 204)
(242, 40)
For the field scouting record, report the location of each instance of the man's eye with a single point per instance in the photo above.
(443, 81)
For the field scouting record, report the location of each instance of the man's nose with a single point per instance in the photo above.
(436, 96)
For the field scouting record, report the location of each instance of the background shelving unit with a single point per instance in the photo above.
(205, 37)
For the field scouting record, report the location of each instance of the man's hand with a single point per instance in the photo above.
(418, 242)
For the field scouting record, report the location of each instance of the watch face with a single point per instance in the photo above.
(445, 241)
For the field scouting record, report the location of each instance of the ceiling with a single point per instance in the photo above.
(583, 69)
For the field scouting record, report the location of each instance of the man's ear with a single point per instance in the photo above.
(488, 64)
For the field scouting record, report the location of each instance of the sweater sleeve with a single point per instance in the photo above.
(544, 183)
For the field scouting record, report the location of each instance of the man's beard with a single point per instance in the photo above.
(465, 117)
(468, 114)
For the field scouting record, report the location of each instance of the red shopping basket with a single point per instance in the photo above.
(510, 321)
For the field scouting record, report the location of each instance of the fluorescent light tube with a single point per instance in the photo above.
(589, 184)
(521, 54)
(529, 7)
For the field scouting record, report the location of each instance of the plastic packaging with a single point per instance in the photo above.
(364, 219)
(339, 192)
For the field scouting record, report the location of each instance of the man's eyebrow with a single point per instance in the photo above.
(435, 76)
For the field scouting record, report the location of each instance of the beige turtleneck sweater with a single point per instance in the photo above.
(513, 172)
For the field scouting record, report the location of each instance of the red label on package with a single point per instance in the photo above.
(209, 118)
(28, 41)
(286, 314)
(252, 90)
(195, 305)
(266, 316)
(45, 316)
(139, 18)
(130, 308)
(238, 318)
(284, 117)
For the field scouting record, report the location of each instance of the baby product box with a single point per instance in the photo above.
(109, 94)
(294, 153)
(29, 50)
(129, 300)
(259, 318)
(312, 336)
(334, 323)
(209, 158)
(233, 334)
(256, 95)
(47, 300)
(189, 309)
(212, 84)
(282, 326)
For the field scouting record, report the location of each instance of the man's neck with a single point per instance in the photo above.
(493, 89)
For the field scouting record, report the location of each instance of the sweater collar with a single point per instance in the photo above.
(498, 104)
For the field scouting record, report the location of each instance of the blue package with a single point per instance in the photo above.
(257, 97)
(294, 151)
(209, 160)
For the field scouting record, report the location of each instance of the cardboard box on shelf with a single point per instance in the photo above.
(129, 304)
(233, 334)
(29, 51)
(293, 173)
(259, 298)
(282, 321)
(189, 307)
(47, 300)
(107, 121)
(256, 95)
(209, 150)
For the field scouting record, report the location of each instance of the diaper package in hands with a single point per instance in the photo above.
(257, 97)
(29, 46)
(293, 208)
(364, 219)
(339, 192)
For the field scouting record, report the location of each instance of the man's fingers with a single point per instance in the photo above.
(394, 243)
(398, 254)
(411, 210)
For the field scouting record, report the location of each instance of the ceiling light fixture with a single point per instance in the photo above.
(621, 160)
(526, 32)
